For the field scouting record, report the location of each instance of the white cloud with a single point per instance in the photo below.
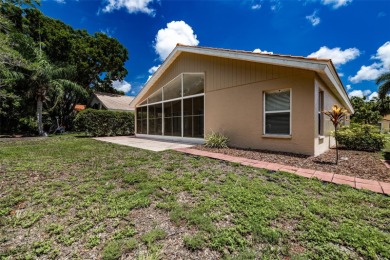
(383, 54)
(373, 95)
(121, 85)
(366, 92)
(374, 70)
(313, 19)
(132, 6)
(368, 73)
(348, 87)
(176, 32)
(336, 3)
(356, 93)
(275, 5)
(263, 52)
(256, 7)
(153, 69)
(338, 56)
(340, 74)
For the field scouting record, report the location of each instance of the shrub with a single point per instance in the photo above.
(104, 122)
(361, 137)
(386, 155)
(216, 140)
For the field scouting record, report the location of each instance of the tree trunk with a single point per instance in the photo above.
(39, 116)
(337, 149)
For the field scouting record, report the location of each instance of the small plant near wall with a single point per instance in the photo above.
(216, 140)
(336, 116)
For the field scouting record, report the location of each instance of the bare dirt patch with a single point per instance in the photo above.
(359, 164)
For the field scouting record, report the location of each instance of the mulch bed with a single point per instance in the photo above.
(359, 164)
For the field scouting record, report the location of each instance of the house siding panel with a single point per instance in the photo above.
(234, 103)
(327, 141)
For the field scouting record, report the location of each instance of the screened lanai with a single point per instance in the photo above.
(176, 109)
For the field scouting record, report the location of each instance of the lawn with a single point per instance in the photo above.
(67, 197)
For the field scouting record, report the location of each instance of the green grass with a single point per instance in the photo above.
(69, 197)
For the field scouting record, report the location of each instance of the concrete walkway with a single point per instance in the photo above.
(358, 183)
(142, 143)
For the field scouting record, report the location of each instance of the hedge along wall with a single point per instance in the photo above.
(105, 122)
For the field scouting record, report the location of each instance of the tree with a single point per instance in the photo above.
(336, 115)
(384, 84)
(382, 105)
(99, 59)
(48, 82)
(366, 112)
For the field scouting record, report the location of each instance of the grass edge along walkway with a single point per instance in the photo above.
(358, 183)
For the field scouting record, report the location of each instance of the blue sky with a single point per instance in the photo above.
(354, 33)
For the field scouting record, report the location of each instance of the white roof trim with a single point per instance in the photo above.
(324, 68)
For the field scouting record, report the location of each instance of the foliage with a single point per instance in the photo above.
(153, 235)
(216, 140)
(384, 84)
(195, 242)
(382, 105)
(98, 59)
(48, 82)
(336, 115)
(361, 137)
(105, 122)
(94, 56)
(366, 112)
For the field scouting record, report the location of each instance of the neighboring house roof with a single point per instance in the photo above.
(114, 101)
(386, 118)
(324, 67)
(79, 107)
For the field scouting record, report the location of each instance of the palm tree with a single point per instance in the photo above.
(384, 87)
(46, 80)
(336, 115)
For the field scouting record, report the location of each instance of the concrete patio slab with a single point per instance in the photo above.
(143, 143)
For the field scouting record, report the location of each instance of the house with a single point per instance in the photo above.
(109, 101)
(384, 124)
(260, 101)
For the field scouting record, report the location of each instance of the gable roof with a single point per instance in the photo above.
(323, 67)
(114, 101)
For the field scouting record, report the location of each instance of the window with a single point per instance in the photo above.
(277, 112)
(176, 109)
(320, 113)
(193, 117)
(142, 120)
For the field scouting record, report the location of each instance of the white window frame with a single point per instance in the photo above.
(276, 112)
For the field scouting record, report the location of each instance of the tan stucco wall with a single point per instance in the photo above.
(234, 101)
(238, 113)
(322, 144)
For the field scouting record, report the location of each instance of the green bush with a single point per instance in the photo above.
(216, 140)
(104, 122)
(386, 155)
(361, 138)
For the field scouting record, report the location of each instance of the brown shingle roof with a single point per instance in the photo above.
(114, 101)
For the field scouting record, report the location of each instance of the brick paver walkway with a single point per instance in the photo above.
(375, 186)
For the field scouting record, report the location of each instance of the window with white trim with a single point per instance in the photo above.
(320, 113)
(277, 112)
